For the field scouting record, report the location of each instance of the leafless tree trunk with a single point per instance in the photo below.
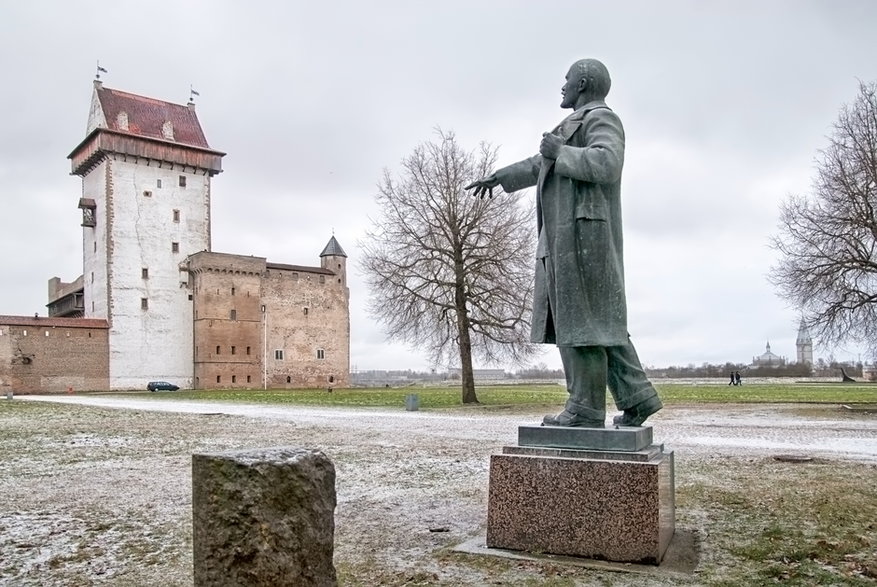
(829, 239)
(448, 272)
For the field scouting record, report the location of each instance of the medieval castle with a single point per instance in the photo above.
(153, 301)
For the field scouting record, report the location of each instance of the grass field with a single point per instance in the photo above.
(535, 395)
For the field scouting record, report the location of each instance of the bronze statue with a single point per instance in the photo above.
(579, 302)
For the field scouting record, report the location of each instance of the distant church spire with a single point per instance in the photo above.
(804, 344)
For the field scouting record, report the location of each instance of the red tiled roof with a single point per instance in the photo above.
(57, 322)
(146, 116)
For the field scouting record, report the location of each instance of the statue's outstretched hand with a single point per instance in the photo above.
(484, 186)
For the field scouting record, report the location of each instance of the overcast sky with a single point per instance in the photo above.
(725, 105)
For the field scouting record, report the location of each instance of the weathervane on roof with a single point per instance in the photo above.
(192, 94)
(99, 71)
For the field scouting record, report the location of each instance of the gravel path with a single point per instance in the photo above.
(722, 430)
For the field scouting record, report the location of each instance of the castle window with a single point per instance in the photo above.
(219, 378)
(167, 130)
(288, 379)
(232, 291)
(234, 378)
(147, 194)
(218, 349)
(248, 350)
(321, 354)
(92, 280)
(122, 120)
(95, 246)
(144, 303)
(248, 378)
(176, 215)
(322, 279)
(233, 315)
(144, 273)
(182, 181)
(47, 333)
(158, 183)
(278, 355)
(234, 350)
(175, 247)
(304, 310)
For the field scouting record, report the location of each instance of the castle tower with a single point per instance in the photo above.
(146, 169)
(334, 259)
(804, 344)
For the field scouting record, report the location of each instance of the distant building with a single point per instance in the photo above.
(153, 302)
(804, 344)
(768, 359)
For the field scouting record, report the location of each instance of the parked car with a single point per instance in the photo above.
(161, 386)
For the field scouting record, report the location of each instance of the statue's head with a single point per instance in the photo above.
(587, 80)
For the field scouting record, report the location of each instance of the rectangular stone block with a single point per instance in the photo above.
(619, 439)
(645, 455)
(263, 517)
(620, 511)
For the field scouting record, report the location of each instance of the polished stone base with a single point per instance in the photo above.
(627, 438)
(611, 505)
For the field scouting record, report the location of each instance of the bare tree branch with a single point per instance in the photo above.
(449, 272)
(828, 239)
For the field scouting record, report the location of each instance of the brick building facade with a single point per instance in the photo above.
(53, 355)
(260, 324)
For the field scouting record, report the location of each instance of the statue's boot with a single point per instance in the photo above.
(636, 415)
(569, 419)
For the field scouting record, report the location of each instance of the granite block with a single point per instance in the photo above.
(631, 438)
(615, 510)
(263, 517)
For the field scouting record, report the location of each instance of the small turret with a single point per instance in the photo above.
(334, 259)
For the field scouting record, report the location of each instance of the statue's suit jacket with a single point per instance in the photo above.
(579, 295)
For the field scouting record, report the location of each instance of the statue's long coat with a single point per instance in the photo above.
(579, 295)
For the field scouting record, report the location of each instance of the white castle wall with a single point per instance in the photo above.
(156, 342)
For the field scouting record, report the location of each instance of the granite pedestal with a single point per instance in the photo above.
(589, 492)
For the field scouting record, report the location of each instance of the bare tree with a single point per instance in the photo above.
(449, 272)
(829, 239)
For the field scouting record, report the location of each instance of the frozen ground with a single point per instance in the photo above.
(100, 493)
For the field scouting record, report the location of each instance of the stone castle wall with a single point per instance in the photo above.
(53, 355)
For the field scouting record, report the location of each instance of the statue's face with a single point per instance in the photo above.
(572, 88)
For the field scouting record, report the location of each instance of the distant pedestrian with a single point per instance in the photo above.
(732, 381)
(737, 380)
